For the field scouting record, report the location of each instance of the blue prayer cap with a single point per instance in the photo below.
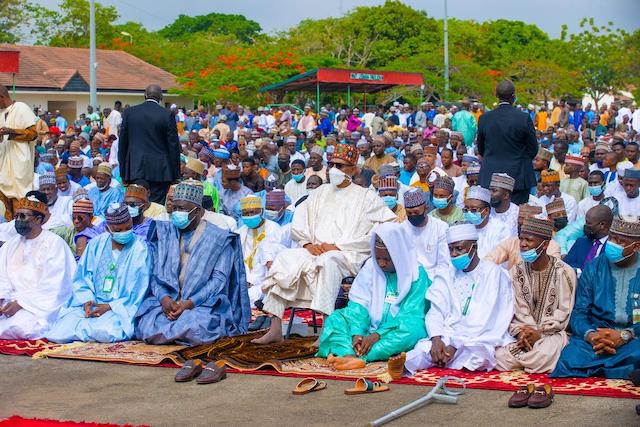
(221, 153)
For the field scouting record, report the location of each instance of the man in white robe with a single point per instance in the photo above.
(551, 188)
(629, 200)
(59, 206)
(477, 211)
(502, 209)
(36, 269)
(333, 229)
(469, 315)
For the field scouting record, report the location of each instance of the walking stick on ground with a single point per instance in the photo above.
(449, 396)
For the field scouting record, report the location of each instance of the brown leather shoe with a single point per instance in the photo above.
(212, 373)
(542, 397)
(190, 370)
(521, 397)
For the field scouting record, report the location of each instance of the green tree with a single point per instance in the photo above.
(214, 23)
(11, 26)
(543, 80)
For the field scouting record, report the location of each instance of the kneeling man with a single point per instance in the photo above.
(198, 285)
(470, 311)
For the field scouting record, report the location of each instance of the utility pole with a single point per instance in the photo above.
(446, 54)
(92, 54)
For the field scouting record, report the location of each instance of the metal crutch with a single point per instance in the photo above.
(449, 396)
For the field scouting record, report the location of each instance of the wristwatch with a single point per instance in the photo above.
(626, 335)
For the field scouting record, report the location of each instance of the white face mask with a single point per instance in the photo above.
(337, 177)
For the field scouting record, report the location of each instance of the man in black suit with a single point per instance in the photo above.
(596, 229)
(507, 142)
(148, 145)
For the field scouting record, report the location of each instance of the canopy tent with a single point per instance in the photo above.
(341, 80)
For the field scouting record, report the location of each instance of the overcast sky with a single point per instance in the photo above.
(274, 15)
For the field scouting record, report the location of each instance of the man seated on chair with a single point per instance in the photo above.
(386, 309)
(544, 289)
(110, 283)
(605, 321)
(469, 314)
(332, 229)
(36, 268)
(198, 285)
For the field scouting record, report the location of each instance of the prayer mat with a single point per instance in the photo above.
(305, 314)
(131, 352)
(240, 353)
(25, 347)
(16, 421)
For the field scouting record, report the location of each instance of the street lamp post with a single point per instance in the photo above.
(124, 33)
(92, 54)
(446, 54)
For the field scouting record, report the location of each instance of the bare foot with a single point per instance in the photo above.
(316, 343)
(395, 366)
(331, 360)
(348, 363)
(274, 334)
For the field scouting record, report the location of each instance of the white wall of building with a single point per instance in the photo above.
(607, 99)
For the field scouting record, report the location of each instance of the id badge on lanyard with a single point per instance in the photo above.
(636, 309)
(107, 284)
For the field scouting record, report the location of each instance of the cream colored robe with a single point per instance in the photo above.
(548, 312)
(16, 158)
(344, 217)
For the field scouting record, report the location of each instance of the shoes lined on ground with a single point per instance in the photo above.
(532, 396)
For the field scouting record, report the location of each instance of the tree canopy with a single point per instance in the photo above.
(220, 56)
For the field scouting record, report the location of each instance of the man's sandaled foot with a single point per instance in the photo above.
(270, 337)
(348, 363)
(395, 366)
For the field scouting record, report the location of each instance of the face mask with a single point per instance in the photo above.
(284, 166)
(22, 227)
(560, 223)
(337, 177)
(474, 218)
(595, 190)
(531, 255)
(440, 203)
(298, 178)
(134, 211)
(390, 201)
(272, 215)
(495, 203)
(544, 142)
(180, 219)
(122, 237)
(614, 252)
(104, 187)
(252, 221)
(461, 262)
(415, 220)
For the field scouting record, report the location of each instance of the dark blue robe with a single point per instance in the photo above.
(595, 307)
(214, 281)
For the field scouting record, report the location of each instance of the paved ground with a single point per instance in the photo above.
(101, 392)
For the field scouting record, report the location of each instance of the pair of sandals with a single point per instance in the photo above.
(210, 373)
(532, 397)
(362, 386)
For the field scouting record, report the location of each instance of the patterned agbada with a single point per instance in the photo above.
(542, 300)
(205, 266)
(390, 304)
(130, 270)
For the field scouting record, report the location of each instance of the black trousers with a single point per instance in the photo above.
(520, 197)
(158, 191)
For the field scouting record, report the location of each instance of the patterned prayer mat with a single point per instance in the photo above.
(16, 421)
(305, 315)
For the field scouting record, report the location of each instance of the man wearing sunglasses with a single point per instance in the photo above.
(36, 269)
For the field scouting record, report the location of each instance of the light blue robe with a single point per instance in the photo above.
(214, 280)
(102, 199)
(131, 274)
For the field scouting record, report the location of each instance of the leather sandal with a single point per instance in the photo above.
(365, 386)
(190, 370)
(542, 397)
(520, 398)
(214, 372)
(309, 385)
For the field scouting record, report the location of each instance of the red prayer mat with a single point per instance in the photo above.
(305, 314)
(16, 421)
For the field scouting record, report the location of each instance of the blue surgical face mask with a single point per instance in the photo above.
(390, 201)
(440, 203)
(134, 211)
(272, 215)
(595, 190)
(474, 218)
(531, 255)
(122, 237)
(252, 221)
(462, 262)
(180, 219)
(298, 178)
(614, 252)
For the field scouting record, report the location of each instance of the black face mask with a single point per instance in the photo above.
(416, 220)
(284, 166)
(560, 223)
(495, 202)
(23, 227)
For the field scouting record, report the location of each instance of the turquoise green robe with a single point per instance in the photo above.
(397, 334)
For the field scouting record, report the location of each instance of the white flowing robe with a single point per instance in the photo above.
(491, 235)
(431, 244)
(343, 217)
(508, 219)
(476, 334)
(16, 158)
(63, 210)
(37, 273)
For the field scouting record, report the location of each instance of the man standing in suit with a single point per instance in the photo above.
(596, 229)
(148, 146)
(507, 142)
